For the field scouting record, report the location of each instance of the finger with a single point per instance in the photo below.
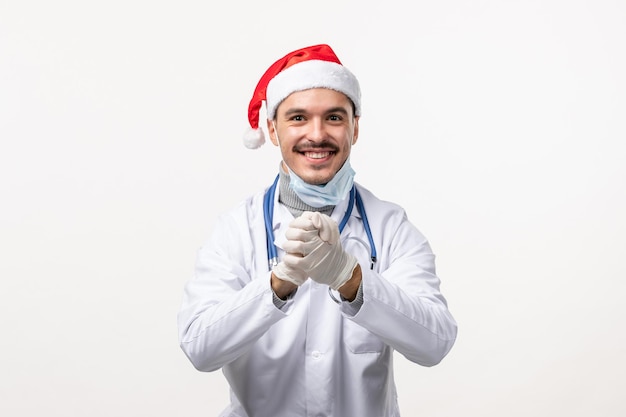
(316, 219)
(293, 260)
(303, 222)
(293, 233)
(293, 246)
(328, 229)
(301, 248)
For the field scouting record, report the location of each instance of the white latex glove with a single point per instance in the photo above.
(313, 246)
(288, 273)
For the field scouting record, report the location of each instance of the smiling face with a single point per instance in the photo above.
(315, 130)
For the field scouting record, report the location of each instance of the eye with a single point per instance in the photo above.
(336, 119)
(297, 118)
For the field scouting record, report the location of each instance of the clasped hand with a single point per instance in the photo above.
(313, 249)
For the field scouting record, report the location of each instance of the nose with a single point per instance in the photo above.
(317, 131)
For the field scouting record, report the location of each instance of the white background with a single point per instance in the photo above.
(498, 125)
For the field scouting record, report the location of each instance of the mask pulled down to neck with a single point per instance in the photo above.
(331, 193)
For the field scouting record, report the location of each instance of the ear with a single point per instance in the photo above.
(356, 129)
(271, 129)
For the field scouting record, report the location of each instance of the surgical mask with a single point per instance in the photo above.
(329, 194)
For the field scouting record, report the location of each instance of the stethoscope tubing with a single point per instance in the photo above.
(268, 217)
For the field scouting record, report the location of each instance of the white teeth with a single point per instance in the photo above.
(317, 155)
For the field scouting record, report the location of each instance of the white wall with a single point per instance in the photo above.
(498, 125)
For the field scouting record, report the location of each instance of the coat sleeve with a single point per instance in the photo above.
(402, 303)
(225, 310)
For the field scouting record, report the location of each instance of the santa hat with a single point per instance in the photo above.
(311, 67)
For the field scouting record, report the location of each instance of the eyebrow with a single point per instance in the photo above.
(337, 109)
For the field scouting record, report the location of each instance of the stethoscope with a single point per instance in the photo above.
(268, 215)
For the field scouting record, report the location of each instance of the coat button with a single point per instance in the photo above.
(316, 354)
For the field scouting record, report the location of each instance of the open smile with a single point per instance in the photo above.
(317, 154)
(319, 151)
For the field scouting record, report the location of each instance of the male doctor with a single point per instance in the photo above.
(311, 329)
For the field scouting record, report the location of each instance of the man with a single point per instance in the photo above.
(351, 281)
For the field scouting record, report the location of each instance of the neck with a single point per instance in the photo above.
(290, 199)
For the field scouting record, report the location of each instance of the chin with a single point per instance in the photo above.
(317, 178)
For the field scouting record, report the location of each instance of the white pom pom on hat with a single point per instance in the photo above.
(311, 67)
(254, 138)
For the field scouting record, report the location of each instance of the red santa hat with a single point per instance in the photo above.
(311, 67)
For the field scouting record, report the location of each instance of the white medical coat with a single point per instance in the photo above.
(313, 357)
